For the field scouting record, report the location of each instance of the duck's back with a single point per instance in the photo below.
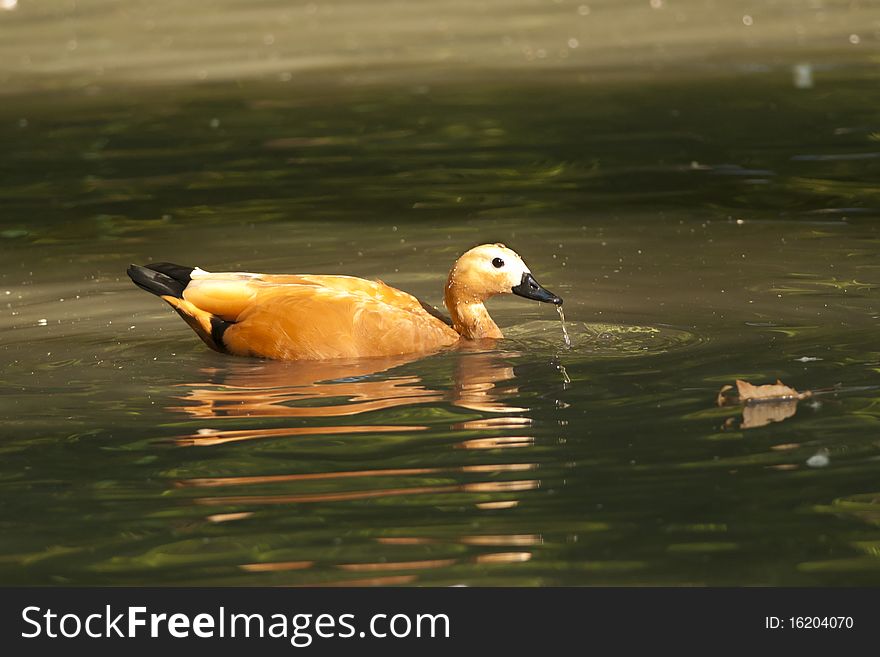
(295, 317)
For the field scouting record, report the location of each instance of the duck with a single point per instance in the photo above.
(305, 317)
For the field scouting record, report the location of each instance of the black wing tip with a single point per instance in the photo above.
(156, 282)
(180, 273)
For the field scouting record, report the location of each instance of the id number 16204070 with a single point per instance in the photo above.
(809, 623)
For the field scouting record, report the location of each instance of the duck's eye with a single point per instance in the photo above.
(498, 263)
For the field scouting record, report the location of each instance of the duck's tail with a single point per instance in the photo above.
(162, 278)
(168, 281)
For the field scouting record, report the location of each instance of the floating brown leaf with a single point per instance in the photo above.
(764, 404)
(771, 392)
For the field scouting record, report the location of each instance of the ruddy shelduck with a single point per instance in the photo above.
(310, 317)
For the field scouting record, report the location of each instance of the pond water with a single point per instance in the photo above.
(701, 229)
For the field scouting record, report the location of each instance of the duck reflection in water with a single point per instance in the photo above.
(482, 381)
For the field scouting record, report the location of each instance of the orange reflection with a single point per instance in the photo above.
(478, 384)
(501, 504)
(346, 393)
(391, 580)
(483, 539)
(398, 565)
(386, 566)
(207, 437)
(276, 566)
(510, 539)
(497, 442)
(509, 422)
(504, 557)
(210, 482)
(228, 517)
(269, 389)
(344, 496)
(405, 540)
(482, 382)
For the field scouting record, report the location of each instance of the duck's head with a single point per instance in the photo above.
(491, 269)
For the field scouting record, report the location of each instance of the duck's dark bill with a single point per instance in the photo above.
(531, 289)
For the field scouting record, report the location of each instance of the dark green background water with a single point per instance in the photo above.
(701, 228)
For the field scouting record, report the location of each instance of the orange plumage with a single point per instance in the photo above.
(310, 317)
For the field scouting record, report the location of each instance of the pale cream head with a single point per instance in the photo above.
(485, 271)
